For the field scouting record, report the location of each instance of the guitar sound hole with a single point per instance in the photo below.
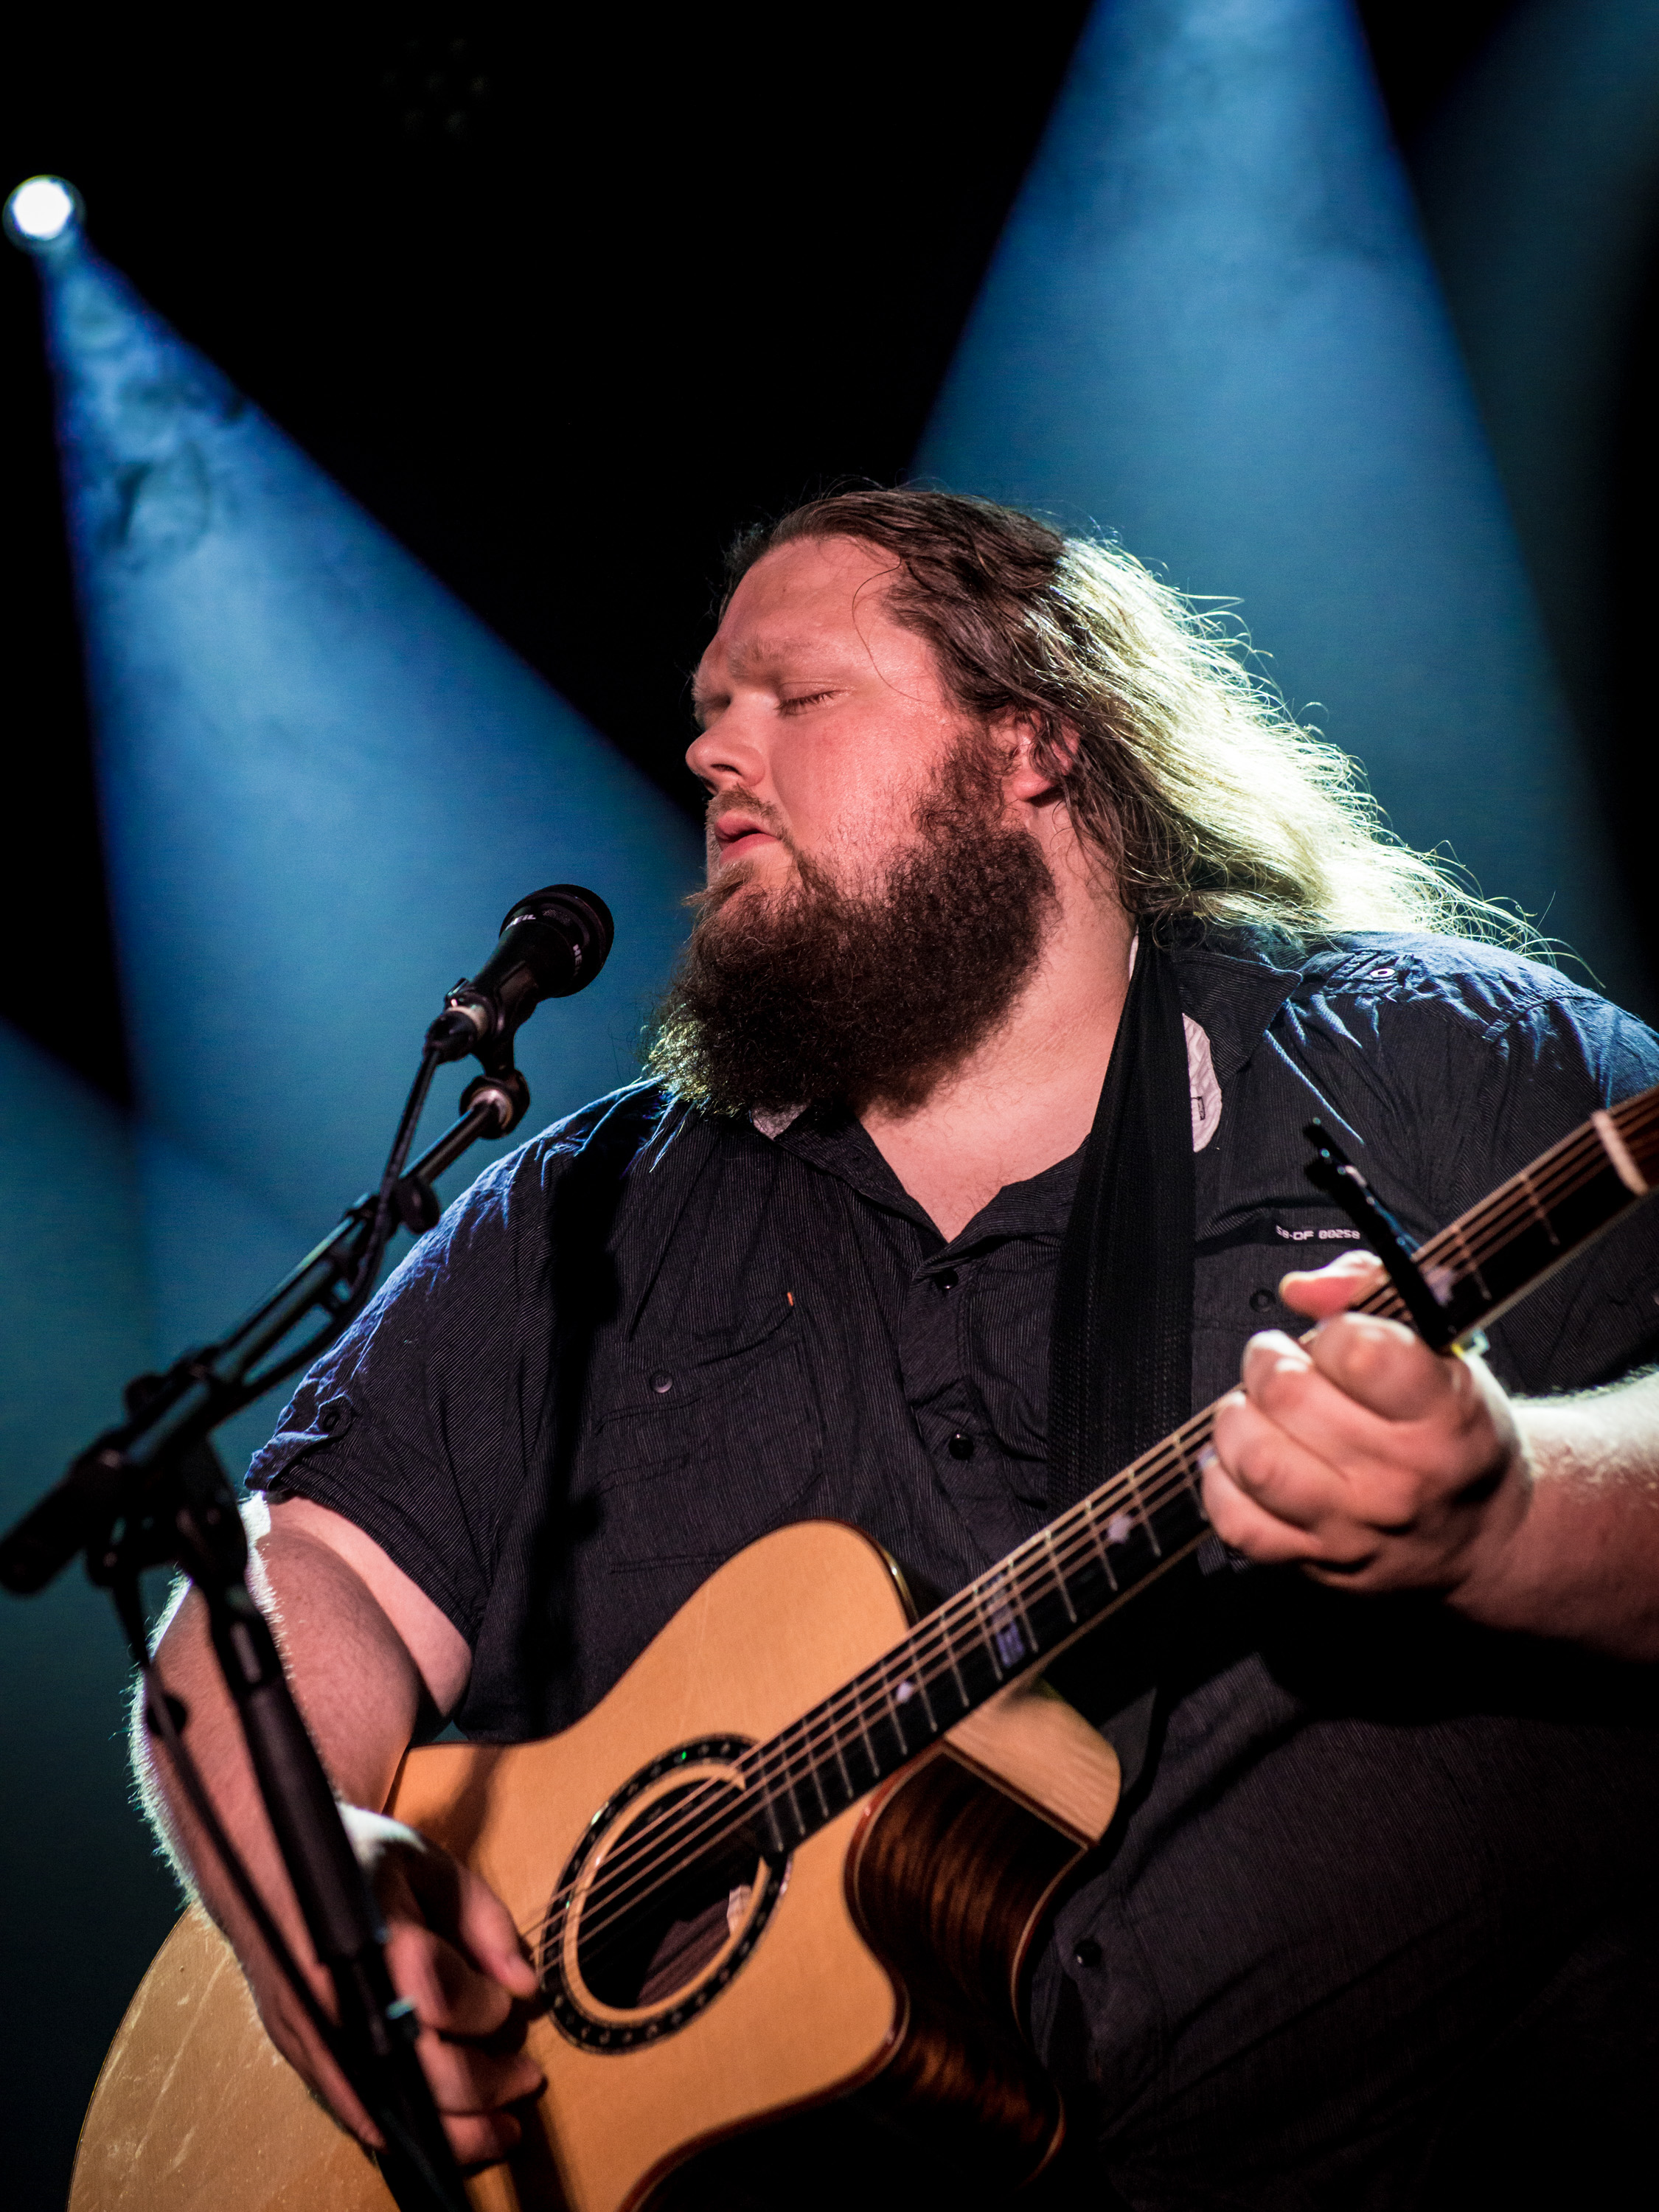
(654, 1917)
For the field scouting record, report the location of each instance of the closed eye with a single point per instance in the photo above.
(806, 699)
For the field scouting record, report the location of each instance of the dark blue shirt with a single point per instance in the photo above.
(647, 1337)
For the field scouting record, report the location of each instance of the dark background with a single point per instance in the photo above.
(564, 303)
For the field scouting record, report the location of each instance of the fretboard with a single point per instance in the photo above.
(1068, 1577)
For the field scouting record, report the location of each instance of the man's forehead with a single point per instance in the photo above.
(744, 651)
(800, 612)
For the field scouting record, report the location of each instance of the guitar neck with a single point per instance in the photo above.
(1068, 1576)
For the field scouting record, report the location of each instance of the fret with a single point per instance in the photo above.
(861, 1764)
(977, 1668)
(1180, 1516)
(780, 1847)
(945, 1691)
(1148, 1515)
(1473, 1269)
(1143, 1518)
(1016, 1639)
(918, 1685)
(1538, 1207)
(887, 1746)
(955, 1670)
(861, 1751)
(988, 1638)
(812, 1776)
(1090, 1509)
(907, 1711)
(1055, 1568)
(841, 1761)
(1050, 1612)
(834, 1793)
(789, 1816)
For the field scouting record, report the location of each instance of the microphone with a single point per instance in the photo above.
(553, 944)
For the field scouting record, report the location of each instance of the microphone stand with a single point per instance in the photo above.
(152, 1492)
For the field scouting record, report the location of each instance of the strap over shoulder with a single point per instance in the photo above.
(1120, 1351)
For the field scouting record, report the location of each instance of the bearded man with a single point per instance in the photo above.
(999, 835)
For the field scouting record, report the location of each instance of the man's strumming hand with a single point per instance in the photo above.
(451, 1948)
(362, 1645)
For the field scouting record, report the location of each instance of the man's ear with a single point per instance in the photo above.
(1039, 757)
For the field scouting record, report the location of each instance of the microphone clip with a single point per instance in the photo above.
(552, 945)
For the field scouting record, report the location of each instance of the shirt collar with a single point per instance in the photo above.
(1232, 985)
(831, 1139)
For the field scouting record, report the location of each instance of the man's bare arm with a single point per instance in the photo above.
(363, 1647)
(1375, 1464)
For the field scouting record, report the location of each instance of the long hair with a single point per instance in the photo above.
(1178, 763)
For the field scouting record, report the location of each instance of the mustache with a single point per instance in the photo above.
(737, 799)
(709, 898)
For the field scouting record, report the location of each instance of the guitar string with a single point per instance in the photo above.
(795, 1758)
(850, 1711)
(844, 1716)
(856, 1703)
(844, 1711)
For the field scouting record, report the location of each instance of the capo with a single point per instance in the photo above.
(1330, 1170)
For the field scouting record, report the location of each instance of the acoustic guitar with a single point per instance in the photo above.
(788, 1875)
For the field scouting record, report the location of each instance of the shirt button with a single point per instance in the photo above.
(1260, 1300)
(947, 1279)
(662, 1383)
(960, 1445)
(329, 1419)
(1086, 1952)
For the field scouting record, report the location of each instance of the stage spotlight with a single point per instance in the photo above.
(40, 212)
(297, 722)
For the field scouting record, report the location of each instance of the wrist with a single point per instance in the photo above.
(1493, 1587)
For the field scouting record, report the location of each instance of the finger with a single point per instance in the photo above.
(487, 1930)
(1321, 1291)
(1372, 1401)
(479, 2139)
(1247, 1526)
(448, 1990)
(1294, 1483)
(467, 1911)
(1387, 1367)
(470, 2078)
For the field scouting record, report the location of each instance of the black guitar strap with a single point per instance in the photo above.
(1120, 1362)
(1120, 1373)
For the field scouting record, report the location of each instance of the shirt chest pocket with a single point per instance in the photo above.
(700, 1458)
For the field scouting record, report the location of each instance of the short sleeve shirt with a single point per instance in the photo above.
(649, 1336)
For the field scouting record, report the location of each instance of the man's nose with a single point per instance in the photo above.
(728, 753)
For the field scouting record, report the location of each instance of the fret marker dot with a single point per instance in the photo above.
(904, 1692)
(1120, 1528)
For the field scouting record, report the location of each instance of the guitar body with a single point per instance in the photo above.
(880, 1963)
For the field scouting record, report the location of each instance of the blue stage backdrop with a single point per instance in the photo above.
(1210, 327)
(1540, 188)
(324, 783)
(89, 1901)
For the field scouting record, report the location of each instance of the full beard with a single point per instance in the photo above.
(788, 998)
